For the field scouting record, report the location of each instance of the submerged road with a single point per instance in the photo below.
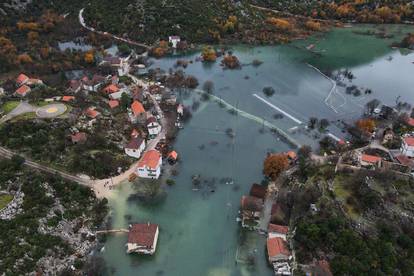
(278, 109)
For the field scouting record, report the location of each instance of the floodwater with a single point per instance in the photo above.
(199, 234)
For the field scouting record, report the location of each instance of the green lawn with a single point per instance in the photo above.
(4, 200)
(9, 106)
(342, 194)
(25, 116)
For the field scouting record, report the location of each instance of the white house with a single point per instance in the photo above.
(150, 165)
(154, 128)
(407, 147)
(93, 84)
(174, 40)
(142, 238)
(135, 147)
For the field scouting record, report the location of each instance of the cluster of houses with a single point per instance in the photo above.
(251, 212)
(380, 157)
(25, 85)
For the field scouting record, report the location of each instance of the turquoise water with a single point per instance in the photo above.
(198, 231)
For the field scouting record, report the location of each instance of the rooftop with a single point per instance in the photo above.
(258, 191)
(251, 203)
(137, 108)
(275, 228)
(370, 158)
(277, 246)
(150, 159)
(134, 143)
(409, 141)
(142, 234)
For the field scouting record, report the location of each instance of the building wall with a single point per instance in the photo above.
(145, 172)
(136, 153)
(407, 150)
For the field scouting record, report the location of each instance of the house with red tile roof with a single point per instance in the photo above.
(172, 157)
(110, 89)
(277, 231)
(92, 113)
(22, 79)
(135, 147)
(68, 98)
(407, 146)
(137, 111)
(23, 90)
(405, 161)
(79, 137)
(410, 122)
(93, 84)
(142, 238)
(259, 191)
(150, 165)
(367, 160)
(277, 250)
(113, 104)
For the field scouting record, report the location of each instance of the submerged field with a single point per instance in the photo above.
(199, 234)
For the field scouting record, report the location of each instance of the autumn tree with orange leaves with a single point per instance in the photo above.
(275, 164)
(366, 125)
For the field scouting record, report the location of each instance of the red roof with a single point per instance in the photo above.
(251, 203)
(258, 191)
(78, 137)
(409, 141)
(404, 160)
(113, 103)
(275, 228)
(150, 159)
(277, 246)
(410, 121)
(134, 143)
(92, 113)
(173, 155)
(22, 78)
(370, 158)
(68, 98)
(112, 88)
(142, 234)
(23, 90)
(276, 209)
(137, 108)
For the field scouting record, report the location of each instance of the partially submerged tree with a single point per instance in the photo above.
(274, 165)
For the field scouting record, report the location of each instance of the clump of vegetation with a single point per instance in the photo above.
(274, 165)
(269, 91)
(230, 61)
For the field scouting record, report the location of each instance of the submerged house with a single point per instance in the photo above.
(142, 238)
(277, 250)
(150, 165)
(250, 211)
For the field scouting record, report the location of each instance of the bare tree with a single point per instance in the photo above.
(208, 86)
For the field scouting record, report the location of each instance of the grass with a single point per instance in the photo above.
(342, 194)
(25, 116)
(9, 106)
(4, 200)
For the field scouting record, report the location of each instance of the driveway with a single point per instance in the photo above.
(23, 107)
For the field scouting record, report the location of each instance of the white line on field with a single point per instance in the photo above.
(278, 109)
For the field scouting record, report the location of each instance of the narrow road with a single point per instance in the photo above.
(129, 41)
(23, 107)
(5, 153)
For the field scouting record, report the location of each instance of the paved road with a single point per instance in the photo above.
(23, 107)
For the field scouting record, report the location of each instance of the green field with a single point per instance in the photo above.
(4, 200)
(9, 106)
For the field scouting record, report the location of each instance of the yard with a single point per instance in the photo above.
(345, 196)
(9, 106)
(4, 200)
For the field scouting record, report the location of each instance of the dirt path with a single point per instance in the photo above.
(129, 41)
